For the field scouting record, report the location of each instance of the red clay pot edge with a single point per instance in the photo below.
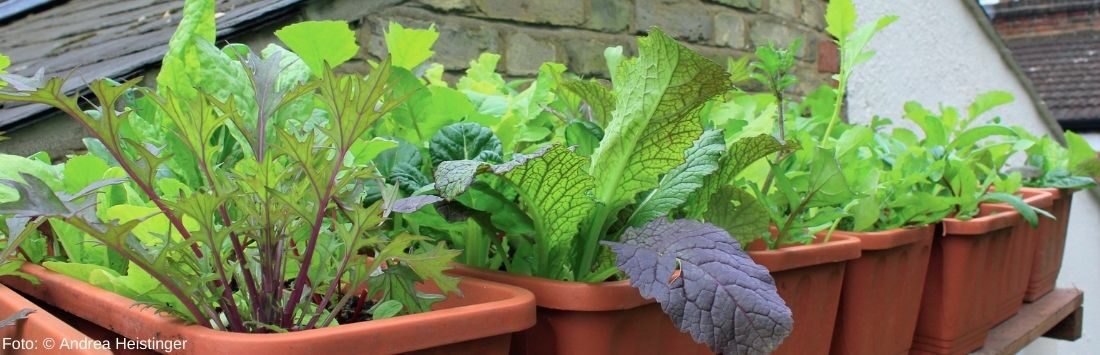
(1034, 197)
(990, 219)
(889, 239)
(114, 309)
(39, 326)
(566, 295)
(838, 248)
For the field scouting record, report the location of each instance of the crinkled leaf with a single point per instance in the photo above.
(707, 284)
(656, 116)
(320, 42)
(465, 141)
(679, 183)
(598, 100)
(739, 213)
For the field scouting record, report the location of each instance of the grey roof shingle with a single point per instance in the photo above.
(89, 39)
(1065, 69)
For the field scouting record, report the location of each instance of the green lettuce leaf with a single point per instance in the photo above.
(320, 43)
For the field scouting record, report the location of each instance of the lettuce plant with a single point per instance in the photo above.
(264, 231)
(1049, 164)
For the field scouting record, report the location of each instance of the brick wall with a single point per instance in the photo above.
(575, 32)
(1026, 18)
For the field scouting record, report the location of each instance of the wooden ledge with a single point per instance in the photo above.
(1057, 315)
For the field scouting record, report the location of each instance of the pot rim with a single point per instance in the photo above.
(890, 238)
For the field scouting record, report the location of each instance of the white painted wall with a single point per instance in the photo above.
(937, 52)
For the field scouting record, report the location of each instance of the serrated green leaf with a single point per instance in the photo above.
(320, 43)
(655, 118)
(409, 47)
(840, 18)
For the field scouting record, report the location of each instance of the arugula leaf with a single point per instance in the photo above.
(320, 43)
(707, 284)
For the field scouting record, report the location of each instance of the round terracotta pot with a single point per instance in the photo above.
(579, 318)
(957, 306)
(880, 300)
(1012, 284)
(1049, 245)
(41, 332)
(479, 322)
(809, 278)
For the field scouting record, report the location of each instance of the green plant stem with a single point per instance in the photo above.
(840, 87)
(591, 242)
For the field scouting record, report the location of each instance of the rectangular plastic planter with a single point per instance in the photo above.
(42, 332)
(479, 322)
(809, 278)
(968, 257)
(1012, 286)
(882, 289)
(579, 318)
(1050, 245)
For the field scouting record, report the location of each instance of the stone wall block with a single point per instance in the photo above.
(683, 19)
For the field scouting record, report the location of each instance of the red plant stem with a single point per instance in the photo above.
(237, 248)
(361, 303)
(331, 288)
(47, 232)
(307, 258)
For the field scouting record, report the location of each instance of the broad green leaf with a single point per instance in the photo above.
(76, 270)
(840, 18)
(655, 118)
(681, 182)
(13, 166)
(197, 24)
(465, 141)
(426, 110)
(81, 171)
(387, 309)
(481, 77)
(320, 43)
(409, 47)
(583, 135)
(1080, 152)
(364, 151)
(740, 155)
(988, 101)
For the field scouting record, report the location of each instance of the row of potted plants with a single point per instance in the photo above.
(268, 193)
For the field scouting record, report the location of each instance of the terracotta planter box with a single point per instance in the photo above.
(882, 289)
(480, 322)
(579, 318)
(38, 329)
(1049, 245)
(968, 258)
(809, 278)
(1012, 284)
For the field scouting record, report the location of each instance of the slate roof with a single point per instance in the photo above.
(88, 39)
(1065, 69)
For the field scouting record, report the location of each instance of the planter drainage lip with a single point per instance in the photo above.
(496, 309)
(889, 239)
(839, 248)
(566, 295)
(39, 325)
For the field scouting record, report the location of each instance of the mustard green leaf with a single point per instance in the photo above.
(679, 183)
(598, 100)
(320, 42)
(409, 47)
(656, 117)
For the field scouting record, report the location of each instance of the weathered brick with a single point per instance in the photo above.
(751, 5)
(828, 57)
(784, 8)
(764, 32)
(448, 5)
(813, 13)
(557, 12)
(458, 45)
(680, 19)
(525, 54)
(729, 29)
(586, 55)
(610, 15)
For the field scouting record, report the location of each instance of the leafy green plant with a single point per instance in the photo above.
(653, 154)
(1049, 164)
(263, 230)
